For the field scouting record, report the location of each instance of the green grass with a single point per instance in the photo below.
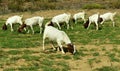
(96, 54)
(9, 69)
(66, 57)
(30, 58)
(30, 68)
(93, 6)
(108, 35)
(50, 65)
(107, 68)
(113, 57)
(14, 52)
(90, 61)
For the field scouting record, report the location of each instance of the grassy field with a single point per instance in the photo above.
(97, 50)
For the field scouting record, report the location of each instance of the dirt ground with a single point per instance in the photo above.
(81, 64)
(50, 13)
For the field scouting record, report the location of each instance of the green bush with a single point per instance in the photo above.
(93, 6)
(115, 4)
(107, 68)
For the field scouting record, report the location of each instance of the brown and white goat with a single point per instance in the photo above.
(95, 18)
(58, 36)
(61, 18)
(13, 20)
(78, 16)
(108, 16)
(30, 22)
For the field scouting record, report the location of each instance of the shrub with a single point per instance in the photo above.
(107, 68)
(115, 4)
(93, 6)
(96, 54)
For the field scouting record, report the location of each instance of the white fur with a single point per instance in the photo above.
(13, 20)
(61, 18)
(34, 21)
(56, 35)
(94, 19)
(108, 16)
(78, 16)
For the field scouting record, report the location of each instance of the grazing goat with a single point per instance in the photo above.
(93, 19)
(78, 16)
(58, 36)
(13, 20)
(60, 19)
(30, 22)
(108, 16)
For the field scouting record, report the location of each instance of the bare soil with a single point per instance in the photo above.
(81, 64)
(50, 13)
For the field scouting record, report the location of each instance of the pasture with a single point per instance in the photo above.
(96, 50)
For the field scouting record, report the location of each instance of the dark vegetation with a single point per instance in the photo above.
(8, 6)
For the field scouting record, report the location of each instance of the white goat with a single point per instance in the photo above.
(58, 36)
(32, 21)
(60, 19)
(13, 20)
(78, 16)
(92, 19)
(108, 16)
